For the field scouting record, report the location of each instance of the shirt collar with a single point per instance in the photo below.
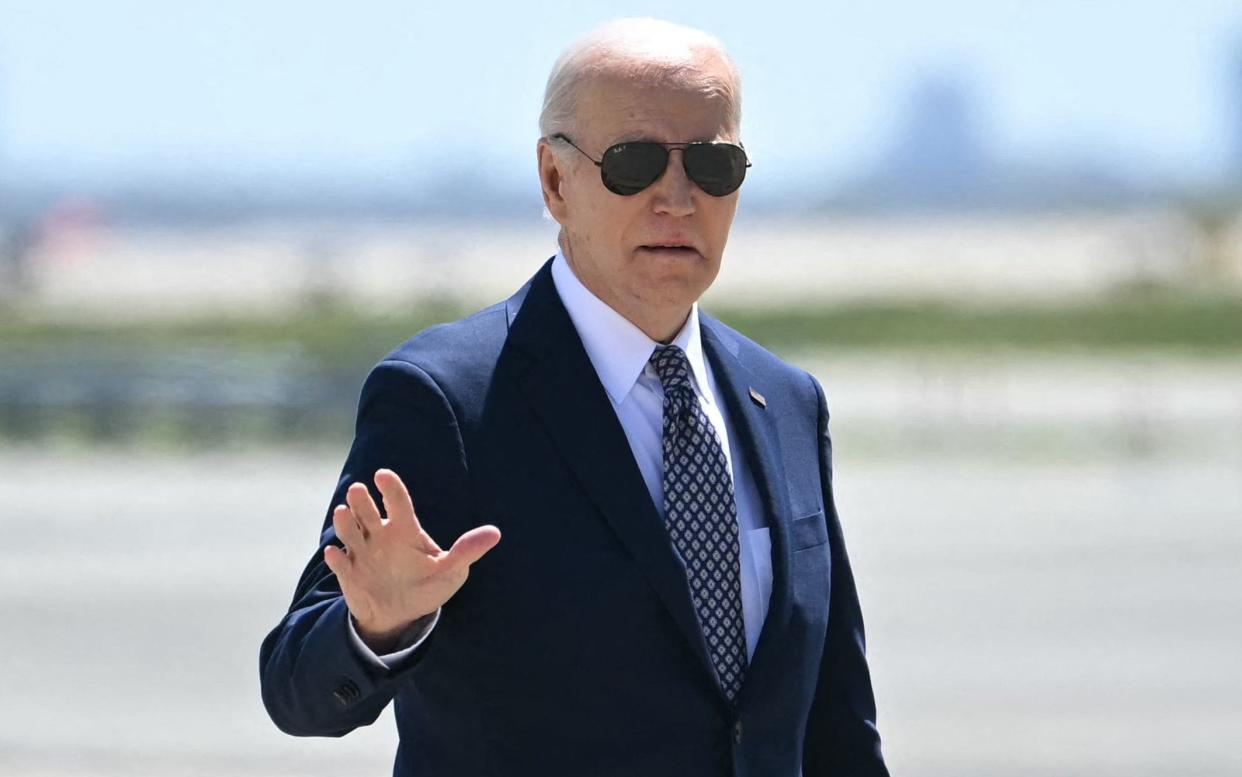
(619, 350)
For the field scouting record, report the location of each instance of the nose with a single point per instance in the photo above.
(673, 193)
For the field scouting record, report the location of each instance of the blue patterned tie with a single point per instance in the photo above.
(702, 517)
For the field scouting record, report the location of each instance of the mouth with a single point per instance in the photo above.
(671, 250)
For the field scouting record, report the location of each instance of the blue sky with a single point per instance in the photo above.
(376, 88)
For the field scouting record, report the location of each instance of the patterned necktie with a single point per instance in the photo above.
(702, 517)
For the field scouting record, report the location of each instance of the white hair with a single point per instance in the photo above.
(653, 49)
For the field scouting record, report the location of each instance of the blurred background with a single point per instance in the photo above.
(1006, 237)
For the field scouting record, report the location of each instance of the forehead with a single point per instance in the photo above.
(613, 108)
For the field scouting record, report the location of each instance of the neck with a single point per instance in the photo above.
(662, 333)
(660, 324)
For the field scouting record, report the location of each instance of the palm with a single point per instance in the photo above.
(392, 572)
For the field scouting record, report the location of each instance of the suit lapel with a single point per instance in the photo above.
(755, 420)
(563, 389)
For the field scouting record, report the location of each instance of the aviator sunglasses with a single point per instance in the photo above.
(628, 168)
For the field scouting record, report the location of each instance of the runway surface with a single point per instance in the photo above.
(1037, 615)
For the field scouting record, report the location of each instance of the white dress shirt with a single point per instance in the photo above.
(619, 352)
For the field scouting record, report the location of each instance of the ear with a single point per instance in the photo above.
(552, 169)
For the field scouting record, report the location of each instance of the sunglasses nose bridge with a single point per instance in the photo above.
(674, 187)
(668, 160)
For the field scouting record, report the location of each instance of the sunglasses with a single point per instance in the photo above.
(628, 168)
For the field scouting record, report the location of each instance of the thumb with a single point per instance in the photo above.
(471, 546)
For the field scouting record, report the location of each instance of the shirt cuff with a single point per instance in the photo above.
(407, 643)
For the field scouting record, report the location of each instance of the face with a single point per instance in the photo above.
(649, 255)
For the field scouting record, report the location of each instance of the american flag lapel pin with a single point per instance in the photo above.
(757, 398)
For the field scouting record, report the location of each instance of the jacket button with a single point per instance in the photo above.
(346, 693)
(737, 733)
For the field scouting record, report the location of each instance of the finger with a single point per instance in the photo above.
(400, 508)
(346, 526)
(360, 501)
(471, 546)
(337, 560)
(396, 498)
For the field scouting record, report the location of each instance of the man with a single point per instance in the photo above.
(672, 594)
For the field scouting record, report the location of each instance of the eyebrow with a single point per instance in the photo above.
(649, 139)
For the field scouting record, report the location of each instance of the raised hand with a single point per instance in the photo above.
(391, 572)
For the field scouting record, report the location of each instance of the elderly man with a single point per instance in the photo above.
(672, 594)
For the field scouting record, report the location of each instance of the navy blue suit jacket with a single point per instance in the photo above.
(573, 648)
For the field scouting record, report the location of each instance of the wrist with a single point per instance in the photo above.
(380, 639)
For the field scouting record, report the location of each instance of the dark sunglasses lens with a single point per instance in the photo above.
(628, 168)
(718, 168)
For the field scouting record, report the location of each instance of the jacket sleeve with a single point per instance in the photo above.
(314, 680)
(842, 738)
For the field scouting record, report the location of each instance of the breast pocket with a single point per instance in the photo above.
(810, 569)
(809, 531)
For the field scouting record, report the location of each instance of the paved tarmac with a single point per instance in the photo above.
(1044, 615)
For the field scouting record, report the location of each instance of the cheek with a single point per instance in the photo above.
(606, 228)
(721, 219)
(583, 196)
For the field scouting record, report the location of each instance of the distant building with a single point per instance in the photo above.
(940, 141)
(938, 154)
(1235, 111)
(942, 157)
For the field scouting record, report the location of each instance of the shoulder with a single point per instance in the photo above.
(453, 361)
(455, 346)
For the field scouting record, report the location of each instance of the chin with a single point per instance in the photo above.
(671, 291)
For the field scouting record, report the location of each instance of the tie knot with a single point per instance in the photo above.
(673, 368)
